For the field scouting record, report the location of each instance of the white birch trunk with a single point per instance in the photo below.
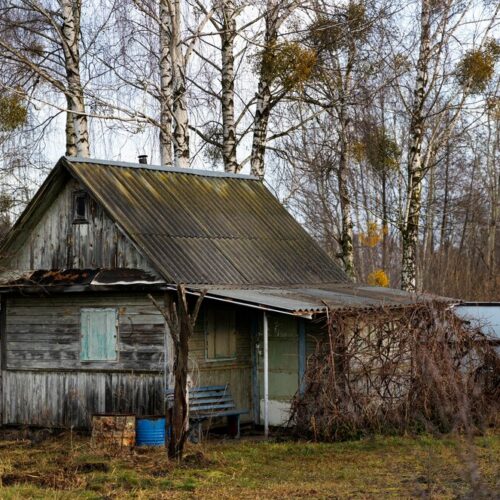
(179, 108)
(347, 237)
(261, 120)
(71, 10)
(70, 132)
(165, 85)
(263, 98)
(415, 167)
(228, 35)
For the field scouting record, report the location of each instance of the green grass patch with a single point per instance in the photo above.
(378, 467)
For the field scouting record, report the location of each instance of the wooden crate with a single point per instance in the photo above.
(113, 430)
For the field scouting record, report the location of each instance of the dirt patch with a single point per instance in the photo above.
(197, 459)
(87, 467)
(62, 481)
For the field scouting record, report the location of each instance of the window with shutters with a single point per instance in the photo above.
(99, 334)
(220, 333)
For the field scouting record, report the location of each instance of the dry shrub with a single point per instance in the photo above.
(419, 368)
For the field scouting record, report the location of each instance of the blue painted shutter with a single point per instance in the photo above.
(99, 335)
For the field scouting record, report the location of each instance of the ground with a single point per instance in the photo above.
(70, 466)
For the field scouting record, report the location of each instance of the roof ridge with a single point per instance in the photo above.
(162, 168)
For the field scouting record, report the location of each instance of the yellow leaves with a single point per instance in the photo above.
(13, 112)
(382, 151)
(358, 150)
(373, 235)
(378, 278)
(372, 238)
(477, 67)
(493, 107)
(289, 63)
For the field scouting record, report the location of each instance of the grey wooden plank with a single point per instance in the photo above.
(69, 399)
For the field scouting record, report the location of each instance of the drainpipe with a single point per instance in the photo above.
(266, 376)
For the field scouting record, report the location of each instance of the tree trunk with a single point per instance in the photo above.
(179, 106)
(346, 240)
(415, 167)
(165, 85)
(228, 35)
(494, 189)
(71, 10)
(429, 216)
(70, 131)
(181, 323)
(443, 238)
(385, 221)
(385, 214)
(263, 97)
(180, 416)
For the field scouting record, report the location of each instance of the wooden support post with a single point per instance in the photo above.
(266, 375)
(3, 351)
(168, 351)
(302, 354)
(255, 369)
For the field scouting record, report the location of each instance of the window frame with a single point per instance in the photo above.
(206, 333)
(80, 219)
(116, 336)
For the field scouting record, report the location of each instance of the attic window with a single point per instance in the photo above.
(80, 207)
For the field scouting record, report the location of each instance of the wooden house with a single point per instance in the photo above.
(78, 334)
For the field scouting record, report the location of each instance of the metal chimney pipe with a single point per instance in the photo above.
(143, 159)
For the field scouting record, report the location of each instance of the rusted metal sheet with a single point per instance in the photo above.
(200, 227)
(90, 279)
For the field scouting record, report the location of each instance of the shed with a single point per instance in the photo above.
(78, 334)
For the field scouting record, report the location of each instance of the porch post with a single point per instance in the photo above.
(255, 369)
(302, 354)
(266, 375)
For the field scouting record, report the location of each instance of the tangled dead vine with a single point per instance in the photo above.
(419, 368)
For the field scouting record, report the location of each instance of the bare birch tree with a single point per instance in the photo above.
(166, 87)
(275, 15)
(53, 32)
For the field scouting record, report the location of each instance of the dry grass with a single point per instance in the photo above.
(396, 467)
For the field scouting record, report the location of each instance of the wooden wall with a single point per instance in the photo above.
(236, 372)
(56, 243)
(45, 383)
(44, 333)
(66, 399)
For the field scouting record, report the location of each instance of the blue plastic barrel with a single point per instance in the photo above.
(150, 431)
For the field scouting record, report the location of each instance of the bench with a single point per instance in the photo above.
(209, 402)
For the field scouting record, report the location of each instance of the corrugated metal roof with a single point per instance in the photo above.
(206, 227)
(305, 300)
(302, 300)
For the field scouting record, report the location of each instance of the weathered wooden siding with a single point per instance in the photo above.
(66, 399)
(56, 243)
(44, 333)
(237, 372)
(44, 382)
